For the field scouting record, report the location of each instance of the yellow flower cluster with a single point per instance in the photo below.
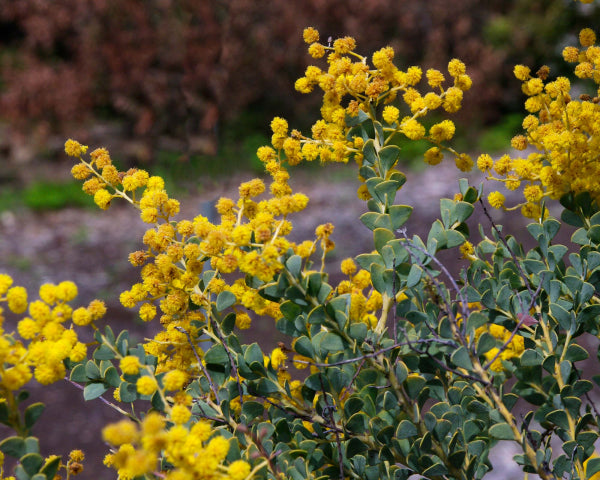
(46, 337)
(351, 86)
(193, 451)
(564, 132)
(104, 182)
(515, 347)
(249, 239)
(362, 306)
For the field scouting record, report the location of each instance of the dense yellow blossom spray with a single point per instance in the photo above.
(399, 369)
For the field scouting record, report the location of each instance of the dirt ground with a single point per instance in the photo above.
(91, 248)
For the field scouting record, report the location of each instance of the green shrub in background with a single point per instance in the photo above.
(399, 369)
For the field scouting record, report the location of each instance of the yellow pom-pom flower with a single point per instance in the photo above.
(485, 162)
(130, 365)
(316, 50)
(122, 432)
(243, 321)
(17, 299)
(391, 114)
(82, 316)
(496, 199)
(521, 72)
(238, 470)
(146, 385)
(102, 198)
(74, 149)
(28, 328)
(587, 37)
(348, 267)
(5, 282)
(180, 414)
(310, 35)
(278, 357)
(174, 380)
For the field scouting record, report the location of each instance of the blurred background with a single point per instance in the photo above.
(197, 79)
(186, 89)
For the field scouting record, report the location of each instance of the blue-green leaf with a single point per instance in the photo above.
(406, 429)
(13, 446)
(502, 431)
(388, 156)
(94, 390)
(224, 300)
(32, 462)
(103, 352)
(381, 236)
(399, 214)
(32, 413)
(294, 265)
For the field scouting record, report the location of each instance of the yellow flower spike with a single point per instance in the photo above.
(344, 45)
(452, 99)
(279, 126)
(243, 321)
(218, 447)
(78, 352)
(521, 72)
(362, 279)
(40, 311)
(46, 374)
(80, 171)
(97, 308)
(28, 328)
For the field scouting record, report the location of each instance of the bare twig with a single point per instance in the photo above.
(379, 352)
(330, 410)
(200, 364)
(463, 301)
(517, 327)
(217, 330)
(394, 323)
(512, 254)
(447, 368)
(104, 400)
(208, 417)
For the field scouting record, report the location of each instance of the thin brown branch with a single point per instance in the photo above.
(200, 364)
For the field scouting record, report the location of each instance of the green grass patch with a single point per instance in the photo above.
(497, 137)
(9, 198)
(47, 195)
